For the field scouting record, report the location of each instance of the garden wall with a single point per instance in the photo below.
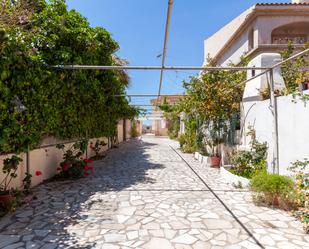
(293, 124)
(47, 159)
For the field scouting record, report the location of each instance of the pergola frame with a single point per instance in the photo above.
(266, 70)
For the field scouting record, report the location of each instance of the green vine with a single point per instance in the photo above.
(38, 101)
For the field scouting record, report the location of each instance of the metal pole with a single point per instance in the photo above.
(28, 160)
(169, 68)
(149, 95)
(149, 105)
(274, 109)
(167, 28)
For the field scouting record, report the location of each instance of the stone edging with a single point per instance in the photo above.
(231, 178)
(225, 174)
(202, 159)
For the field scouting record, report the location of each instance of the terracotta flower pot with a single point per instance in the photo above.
(276, 201)
(6, 199)
(215, 161)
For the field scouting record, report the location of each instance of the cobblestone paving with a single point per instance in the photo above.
(143, 195)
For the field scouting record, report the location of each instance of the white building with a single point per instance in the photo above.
(259, 34)
(261, 28)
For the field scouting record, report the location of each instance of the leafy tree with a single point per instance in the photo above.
(213, 98)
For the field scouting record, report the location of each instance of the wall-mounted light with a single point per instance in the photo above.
(17, 105)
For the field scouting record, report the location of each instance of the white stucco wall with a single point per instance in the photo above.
(128, 128)
(263, 26)
(258, 84)
(293, 120)
(214, 43)
(48, 159)
(236, 51)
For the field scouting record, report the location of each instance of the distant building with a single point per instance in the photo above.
(263, 28)
(159, 123)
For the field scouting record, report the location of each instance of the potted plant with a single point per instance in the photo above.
(10, 167)
(217, 132)
(215, 158)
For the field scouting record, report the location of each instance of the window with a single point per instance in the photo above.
(253, 72)
(251, 40)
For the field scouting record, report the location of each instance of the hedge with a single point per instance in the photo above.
(37, 100)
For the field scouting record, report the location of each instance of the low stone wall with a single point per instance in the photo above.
(48, 158)
(202, 159)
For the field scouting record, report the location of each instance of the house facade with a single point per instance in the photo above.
(262, 28)
(259, 34)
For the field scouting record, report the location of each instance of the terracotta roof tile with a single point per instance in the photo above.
(281, 4)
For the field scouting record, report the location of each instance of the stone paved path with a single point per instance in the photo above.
(144, 195)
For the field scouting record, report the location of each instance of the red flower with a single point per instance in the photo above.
(58, 169)
(88, 161)
(66, 163)
(38, 173)
(86, 174)
(65, 167)
(90, 168)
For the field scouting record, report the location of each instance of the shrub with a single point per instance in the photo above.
(187, 143)
(273, 189)
(73, 165)
(249, 163)
(300, 168)
(134, 132)
(9, 170)
(188, 140)
(173, 125)
(97, 147)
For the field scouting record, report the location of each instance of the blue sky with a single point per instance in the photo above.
(138, 26)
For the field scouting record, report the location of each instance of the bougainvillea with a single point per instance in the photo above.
(37, 100)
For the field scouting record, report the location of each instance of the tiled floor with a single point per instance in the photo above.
(144, 195)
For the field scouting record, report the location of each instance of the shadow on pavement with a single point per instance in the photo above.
(59, 217)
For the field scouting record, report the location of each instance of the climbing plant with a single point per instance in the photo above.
(293, 71)
(171, 115)
(37, 100)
